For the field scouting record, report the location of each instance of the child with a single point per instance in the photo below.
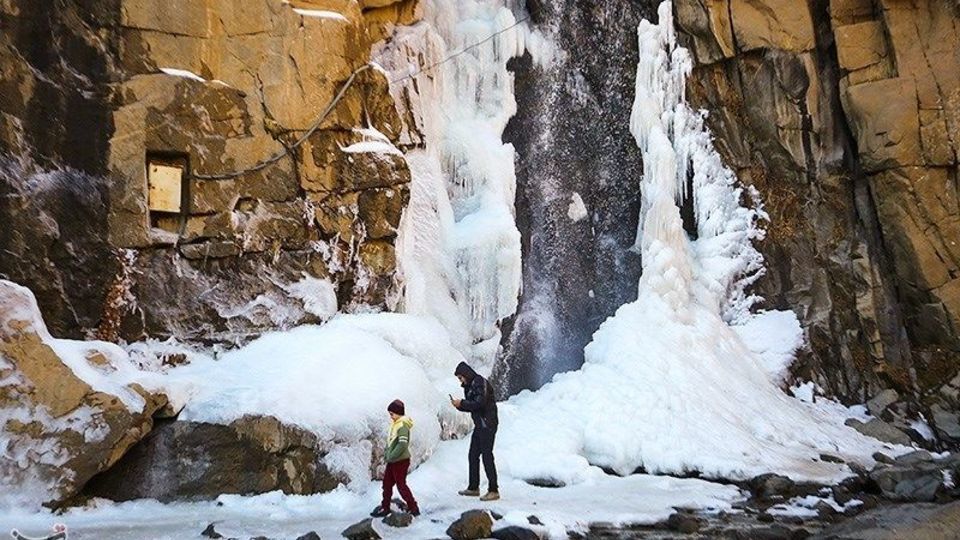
(398, 462)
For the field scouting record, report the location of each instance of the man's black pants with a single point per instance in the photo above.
(481, 446)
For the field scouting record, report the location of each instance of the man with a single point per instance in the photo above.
(479, 401)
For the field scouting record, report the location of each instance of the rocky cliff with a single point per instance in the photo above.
(844, 114)
(224, 92)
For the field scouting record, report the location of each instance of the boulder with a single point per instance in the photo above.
(909, 483)
(880, 430)
(946, 423)
(361, 531)
(683, 522)
(881, 401)
(312, 535)
(471, 525)
(70, 409)
(199, 461)
(211, 532)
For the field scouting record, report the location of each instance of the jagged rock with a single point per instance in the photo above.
(879, 403)
(471, 525)
(514, 533)
(200, 461)
(398, 519)
(909, 484)
(918, 521)
(830, 458)
(946, 423)
(771, 485)
(361, 531)
(880, 430)
(210, 532)
(913, 458)
(63, 420)
(312, 535)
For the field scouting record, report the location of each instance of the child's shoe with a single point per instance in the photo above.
(380, 512)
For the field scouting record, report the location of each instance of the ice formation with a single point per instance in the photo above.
(668, 385)
(459, 247)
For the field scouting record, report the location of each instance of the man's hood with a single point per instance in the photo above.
(464, 370)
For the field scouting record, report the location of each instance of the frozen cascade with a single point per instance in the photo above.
(459, 247)
(669, 384)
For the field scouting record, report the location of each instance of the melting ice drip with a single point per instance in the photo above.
(668, 384)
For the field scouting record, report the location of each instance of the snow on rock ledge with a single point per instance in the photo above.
(67, 409)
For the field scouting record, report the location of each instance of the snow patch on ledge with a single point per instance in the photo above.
(321, 14)
(577, 209)
(372, 142)
(182, 73)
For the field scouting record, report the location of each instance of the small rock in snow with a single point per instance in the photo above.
(472, 525)
(770, 485)
(312, 535)
(514, 533)
(398, 519)
(683, 523)
(209, 532)
(361, 531)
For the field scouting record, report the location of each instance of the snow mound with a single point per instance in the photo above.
(334, 380)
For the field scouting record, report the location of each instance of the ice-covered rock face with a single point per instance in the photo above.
(577, 191)
(67, 410)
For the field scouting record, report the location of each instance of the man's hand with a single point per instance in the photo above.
(456, 402)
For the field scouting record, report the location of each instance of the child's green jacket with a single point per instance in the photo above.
(398, 442)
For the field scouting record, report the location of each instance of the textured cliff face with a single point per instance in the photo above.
(844, 115)
(214, 87)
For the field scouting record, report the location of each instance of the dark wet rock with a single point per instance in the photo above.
(398, 519)
(545, 482)
(880, 430)
(771, 485)
(825, 510)
(312, 535)
(534, 520)
(210, 532)
(472, 525)
(764, 517)
(514, 533)
(361, 531)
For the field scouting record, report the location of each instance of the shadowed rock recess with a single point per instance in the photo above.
(845, 114)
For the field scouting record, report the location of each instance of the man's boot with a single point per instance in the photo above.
(491, 496)
(469, 492)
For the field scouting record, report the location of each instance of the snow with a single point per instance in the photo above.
(373, 142)
(182, 73)
(319, 296)
(774, 337)
(638, 499)
(806, 506)
(321, 14)
(577, 209)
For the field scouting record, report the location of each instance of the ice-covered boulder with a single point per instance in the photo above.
(65, 412)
